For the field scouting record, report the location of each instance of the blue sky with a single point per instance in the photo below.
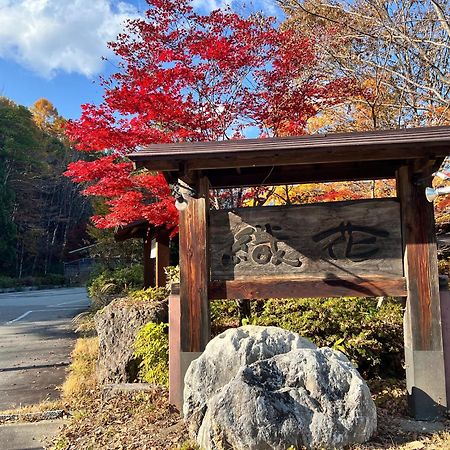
(53, 48)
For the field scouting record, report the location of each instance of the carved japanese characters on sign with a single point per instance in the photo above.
(344, 241)
(261, 245)
(332, 239)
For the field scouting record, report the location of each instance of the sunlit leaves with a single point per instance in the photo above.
(183, 76)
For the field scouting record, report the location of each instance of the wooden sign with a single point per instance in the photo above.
(329, 240)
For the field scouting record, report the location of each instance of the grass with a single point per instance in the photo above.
(81, 380)
(78, 387)
(85, 324)
(46, 405)
(411, 441)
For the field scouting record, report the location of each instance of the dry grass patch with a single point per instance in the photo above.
(81, 380)
(84, 323)
(45, 410)
(390, 396)
(46, 405)
(391, 436)
(77, 388)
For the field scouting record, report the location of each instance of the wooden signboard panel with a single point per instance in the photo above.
(338, 240)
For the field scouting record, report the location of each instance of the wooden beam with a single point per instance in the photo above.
(195, 162)
(297, 174)
(384, 145)
(423, 333)
(194, 270)
(261, 288)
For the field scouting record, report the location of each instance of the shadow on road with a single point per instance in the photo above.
(42, 366)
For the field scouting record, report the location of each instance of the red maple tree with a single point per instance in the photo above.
(183, 76)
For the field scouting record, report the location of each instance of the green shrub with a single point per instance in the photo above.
(7, 282)
(173, 274)
(155, 294)
(129, 277)
(224, 314)
(444, 267)
(114, 282)
(371, 335)
(26, 281)
(151, 348)
(51, 279)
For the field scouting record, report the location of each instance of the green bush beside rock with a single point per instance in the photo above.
(369, 332)
(112, 283)
(152, 349)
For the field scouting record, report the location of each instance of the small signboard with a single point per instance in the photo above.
(330, 240)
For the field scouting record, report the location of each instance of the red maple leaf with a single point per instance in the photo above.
(184, 76)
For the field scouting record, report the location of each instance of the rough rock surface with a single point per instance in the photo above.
(301, 397)
(225, 355)
(228, 352)
(117, 325)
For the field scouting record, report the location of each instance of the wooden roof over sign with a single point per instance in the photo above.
(137, 229)
(301, 159)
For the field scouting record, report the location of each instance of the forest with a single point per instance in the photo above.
(43, 216)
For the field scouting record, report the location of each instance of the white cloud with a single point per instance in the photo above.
(268, 6)
(210, 5)
(49, 36)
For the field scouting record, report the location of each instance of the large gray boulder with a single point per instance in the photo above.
(225, 355)
(301, 397)
(117, 326)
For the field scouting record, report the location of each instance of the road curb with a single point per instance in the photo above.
(44, 287)
(34, 416)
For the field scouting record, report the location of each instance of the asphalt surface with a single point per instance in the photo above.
(36, 339)
(28, 436)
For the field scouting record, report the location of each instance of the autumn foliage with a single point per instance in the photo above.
(183, 76)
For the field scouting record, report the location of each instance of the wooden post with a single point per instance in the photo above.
(425, 375)
(445, 312)
(194, 318)
(149, 263)
(162, 257)
(175, 375)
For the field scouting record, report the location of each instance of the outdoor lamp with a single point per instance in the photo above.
(431, 193)
(182, 193)
(180, 202)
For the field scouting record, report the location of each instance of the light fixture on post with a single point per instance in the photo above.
(431, 193)
(182, 193)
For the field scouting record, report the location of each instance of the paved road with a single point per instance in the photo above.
(36, 339)
(28, 436)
